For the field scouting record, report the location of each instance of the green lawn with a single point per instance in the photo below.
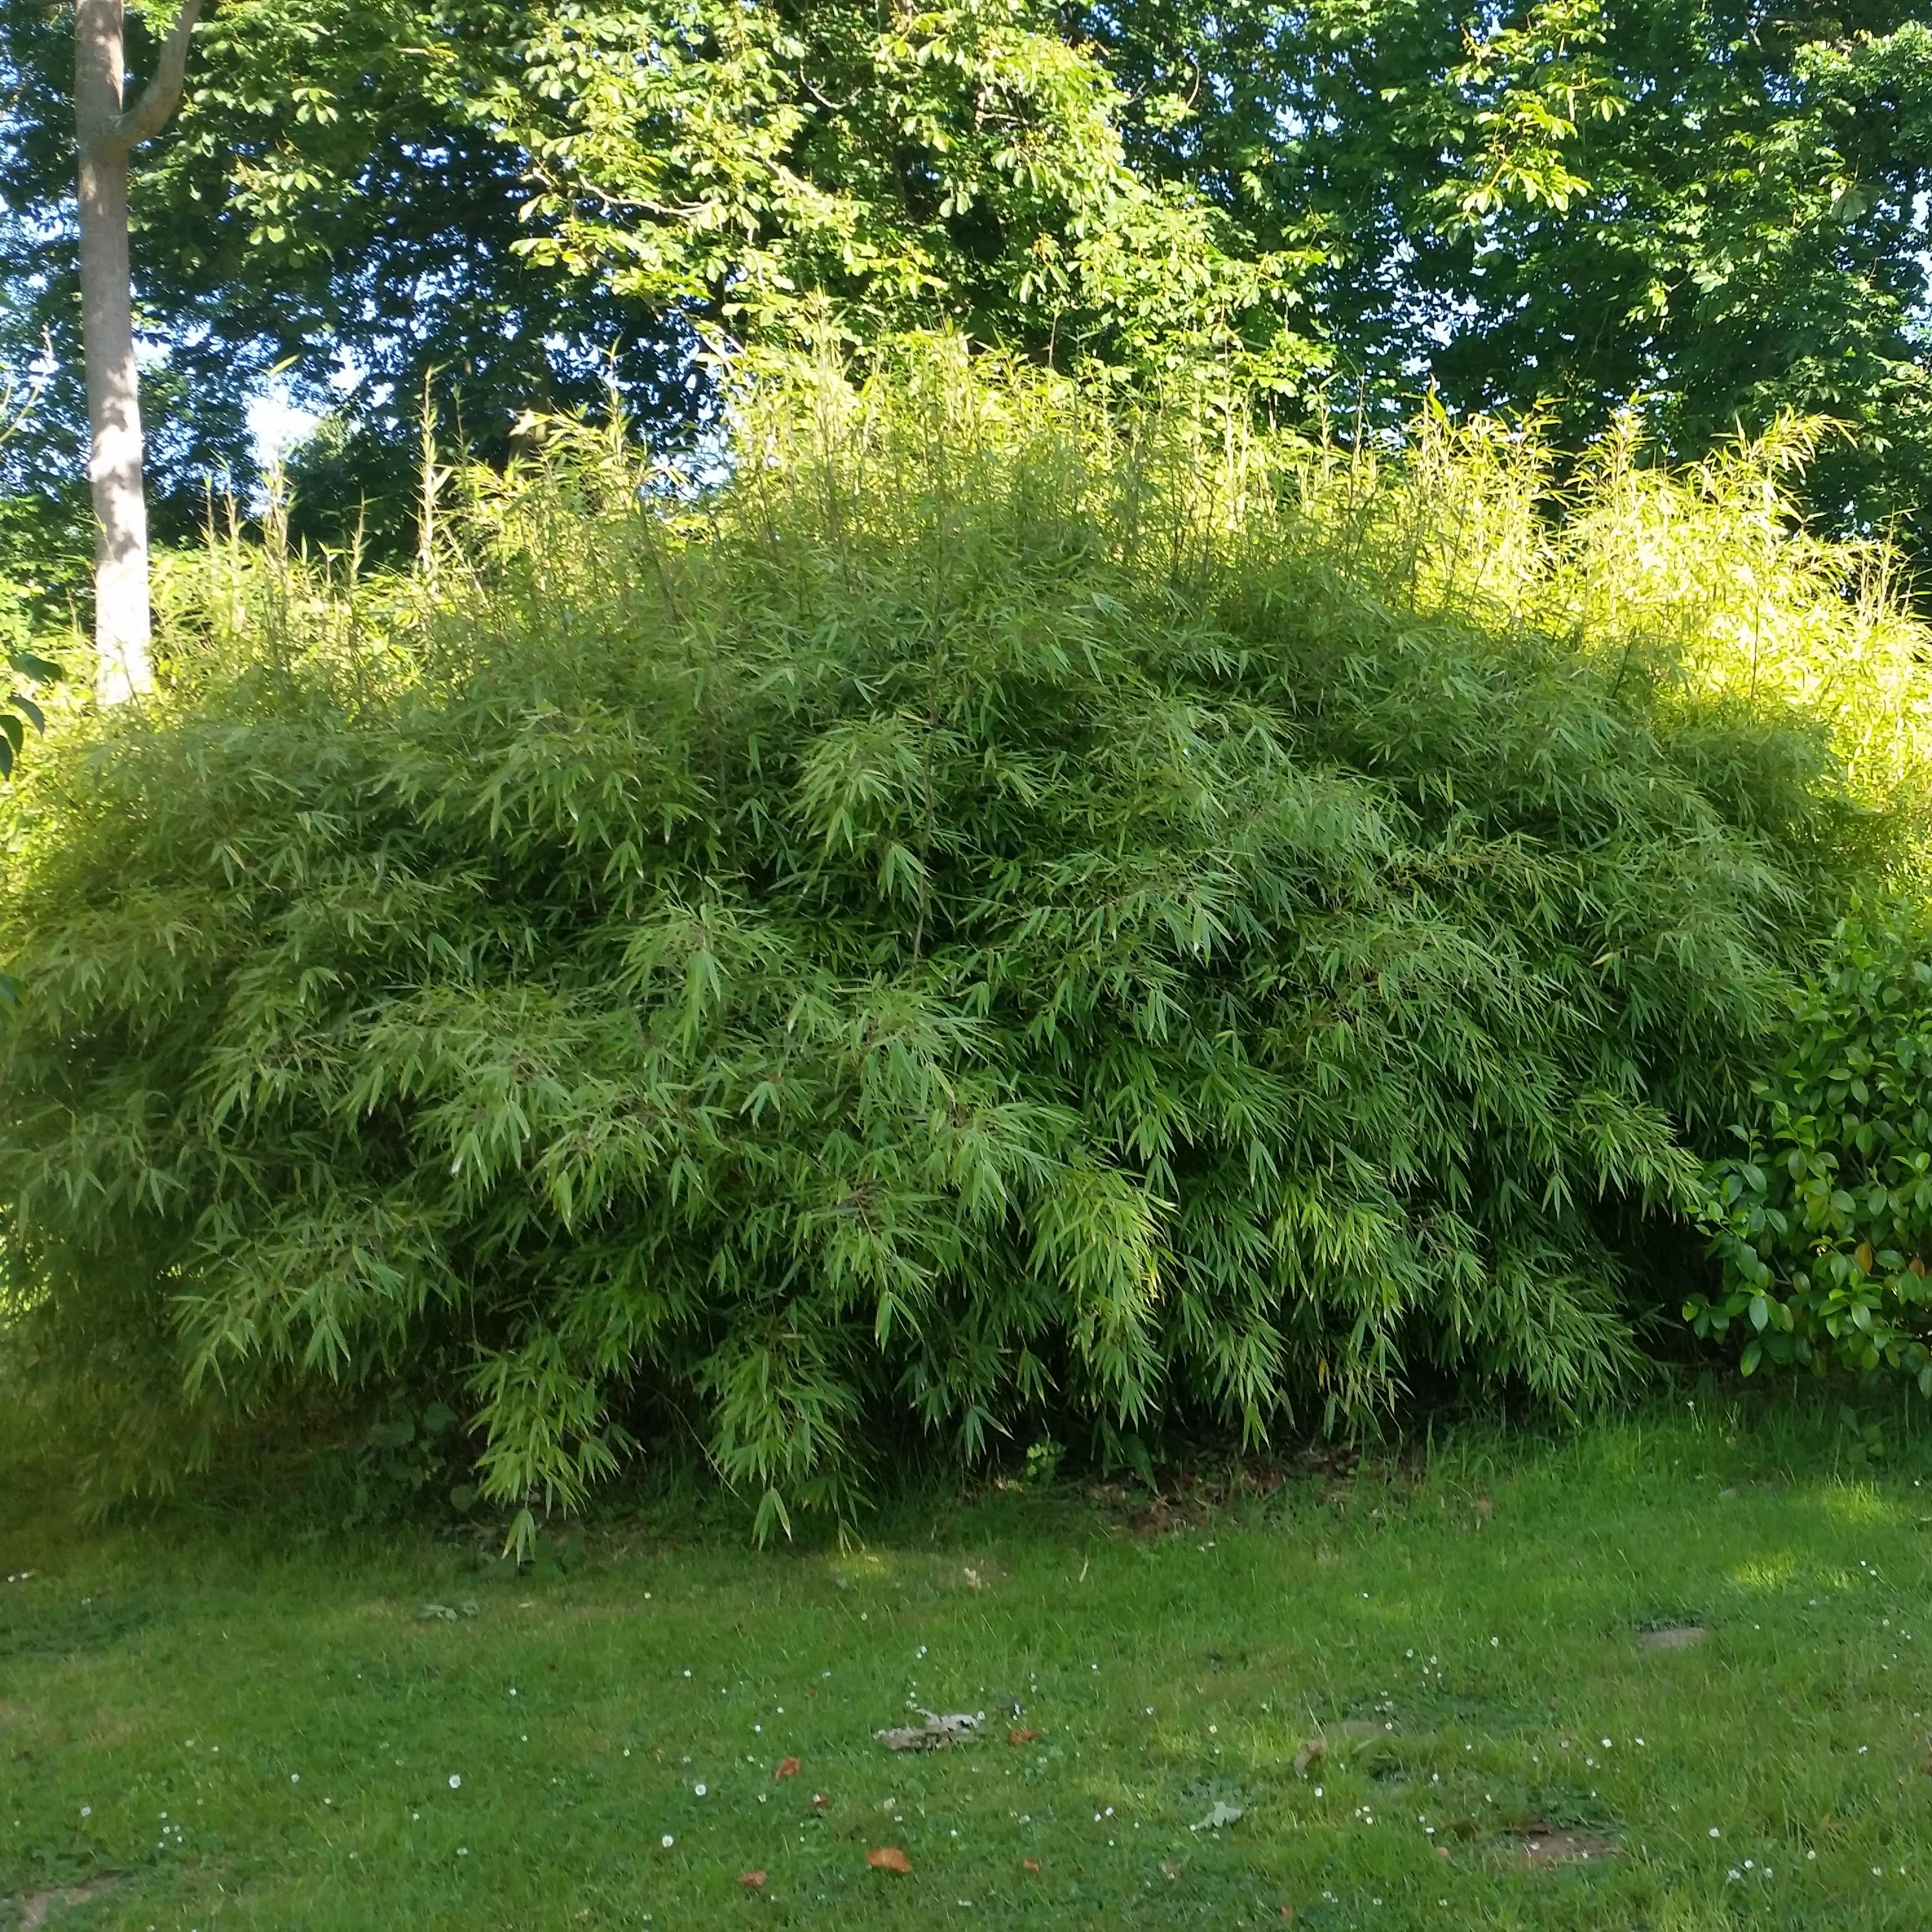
(237, 1728)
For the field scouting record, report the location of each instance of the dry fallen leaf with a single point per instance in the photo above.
(1288, 1915)
(936, 1733)
(1021, 1737)
(1030, 1864)
(1442, 1851)
(1220, 1815)
(788, 1767)
(820, 1801)
(752, 1881)
(1313, 1752)
(888, 1857)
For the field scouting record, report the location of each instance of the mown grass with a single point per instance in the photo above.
(243, 1728)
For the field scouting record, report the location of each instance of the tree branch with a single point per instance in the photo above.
(161, 96)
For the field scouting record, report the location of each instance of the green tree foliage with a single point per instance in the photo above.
(22, 613)
(1009, 909)
(512, 206)
(1720, 205)
(326, 205)
(908, 164)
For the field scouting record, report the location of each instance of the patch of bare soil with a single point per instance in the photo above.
(1673, 1637)
(1546, 1845)
(35, 1907)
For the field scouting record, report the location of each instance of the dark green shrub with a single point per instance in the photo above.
(1005, 912)
(1822, 1220)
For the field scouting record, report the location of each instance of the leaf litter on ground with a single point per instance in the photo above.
(936, 1733)
(1221, 1814)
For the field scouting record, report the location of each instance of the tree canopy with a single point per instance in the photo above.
(1719, 208)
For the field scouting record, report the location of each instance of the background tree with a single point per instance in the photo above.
(107, 133)
(1719, 206)
(502, 203)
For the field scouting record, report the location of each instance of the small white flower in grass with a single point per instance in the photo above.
(87, 1810)
(455, 1782)
(462, 1851)
(1714, 1830)
(699, 1789)
(668, 1841)
(295, 1777)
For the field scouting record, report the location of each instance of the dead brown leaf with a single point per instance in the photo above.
(788, 1767)
(753, 1881)
(1312, 1752)
(820, 1801)
(888, 1857)
(1021, 1737)
(1030, 1864)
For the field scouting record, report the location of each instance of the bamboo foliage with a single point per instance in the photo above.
(1011, 906)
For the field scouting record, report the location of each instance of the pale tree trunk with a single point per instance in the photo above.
(107, 137)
